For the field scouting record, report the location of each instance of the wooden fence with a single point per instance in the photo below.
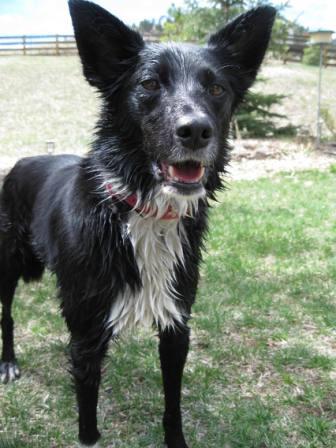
(296, 45)
(34, 45)
(57, 44)
(329, 56)
(60, 44)
(42, 44)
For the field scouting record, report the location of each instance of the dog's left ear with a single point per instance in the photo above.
(106, 45)
(245, 39)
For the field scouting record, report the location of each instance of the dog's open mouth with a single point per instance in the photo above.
(184, 178)
(186, 172)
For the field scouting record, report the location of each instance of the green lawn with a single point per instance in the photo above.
(44, 98)
(262, 368)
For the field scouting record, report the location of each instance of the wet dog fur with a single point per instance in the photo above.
(122, 228)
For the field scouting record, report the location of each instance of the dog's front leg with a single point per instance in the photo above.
(86, 356)
(173, 348)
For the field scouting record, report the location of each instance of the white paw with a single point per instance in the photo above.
(9, 371)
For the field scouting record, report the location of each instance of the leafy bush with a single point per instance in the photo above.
(311, 55)
(329, 121)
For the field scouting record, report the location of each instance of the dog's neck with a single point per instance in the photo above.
(154, 202)
(146, 210)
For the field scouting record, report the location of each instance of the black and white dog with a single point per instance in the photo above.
(122, 228)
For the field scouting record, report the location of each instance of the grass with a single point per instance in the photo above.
(44, 98)
(298, 82)
(262, 368)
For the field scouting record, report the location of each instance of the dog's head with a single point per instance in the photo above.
(167, 107)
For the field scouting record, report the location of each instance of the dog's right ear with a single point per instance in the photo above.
(106, 45)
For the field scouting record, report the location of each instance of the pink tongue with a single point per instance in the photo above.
(187, 173)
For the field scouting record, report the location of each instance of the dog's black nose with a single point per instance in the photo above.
(194, 131)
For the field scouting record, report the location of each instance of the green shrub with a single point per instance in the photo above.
(332, 168)
(311, 55)
(329, 121)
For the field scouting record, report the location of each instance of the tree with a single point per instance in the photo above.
(190, 23)
(228, 8)
(194, 23)
(146, 26)
(254, 118)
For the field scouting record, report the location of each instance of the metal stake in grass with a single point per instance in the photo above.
(322, 38)
(318, 119)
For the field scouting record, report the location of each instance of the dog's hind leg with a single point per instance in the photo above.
(16, 260)
(9, 369)
(10, 272)
(173, 349)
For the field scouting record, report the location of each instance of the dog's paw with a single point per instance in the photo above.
(9, 371)
(176, 443)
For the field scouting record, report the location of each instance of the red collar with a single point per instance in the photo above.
(132, 200)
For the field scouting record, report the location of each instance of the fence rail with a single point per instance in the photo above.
(46, 44)
(62, 44)
(297, 43)
(329, 56)
(56, 44)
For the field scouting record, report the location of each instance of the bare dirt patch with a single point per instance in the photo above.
(254, 158)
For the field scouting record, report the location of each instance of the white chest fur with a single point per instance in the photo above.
(158, 249)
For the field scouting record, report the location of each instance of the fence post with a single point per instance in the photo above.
(57, 46)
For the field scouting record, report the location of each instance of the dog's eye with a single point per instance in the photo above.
(216, 90)
(150, 84)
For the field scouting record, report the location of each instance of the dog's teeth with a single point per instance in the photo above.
(171, 171)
